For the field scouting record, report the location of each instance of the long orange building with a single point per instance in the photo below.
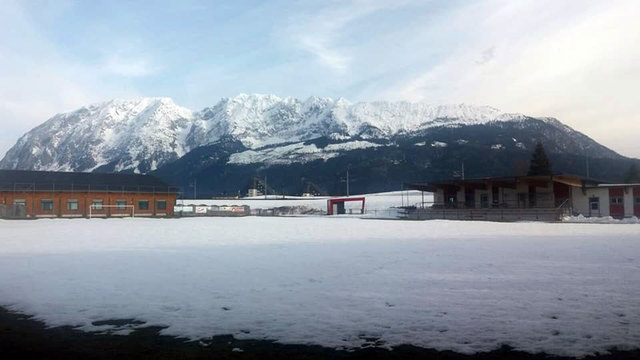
(31, 194)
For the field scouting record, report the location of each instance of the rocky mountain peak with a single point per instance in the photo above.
(144, 133)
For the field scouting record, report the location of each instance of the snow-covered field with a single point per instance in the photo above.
(377, 201)
(567, 289)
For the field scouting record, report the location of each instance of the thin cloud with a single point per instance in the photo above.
(570, 62)
(486, 56)
(322, 49)
(38, 80)
(574, 60)
(320, 32)
(129, 66)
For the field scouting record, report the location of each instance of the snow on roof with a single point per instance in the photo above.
(618, 185)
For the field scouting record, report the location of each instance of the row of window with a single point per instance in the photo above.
(72, 205)
(619, 200)
(616, 200)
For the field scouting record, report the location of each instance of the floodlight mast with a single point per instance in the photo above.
(194, 185)
(347, 182)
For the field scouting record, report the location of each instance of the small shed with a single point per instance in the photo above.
(336, 206)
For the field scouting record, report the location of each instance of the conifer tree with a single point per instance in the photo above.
(633, 175)
(539, 164)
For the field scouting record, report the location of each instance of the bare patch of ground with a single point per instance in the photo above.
(22, 337)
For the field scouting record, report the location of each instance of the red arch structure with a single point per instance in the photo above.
(336, 206)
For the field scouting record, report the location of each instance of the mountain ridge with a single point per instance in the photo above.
(143, 134)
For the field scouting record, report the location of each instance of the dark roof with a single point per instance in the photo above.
(563, 178)
(79, 181)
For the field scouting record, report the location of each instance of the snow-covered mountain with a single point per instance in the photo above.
(259, 120)
(127, 134)
(143, 134)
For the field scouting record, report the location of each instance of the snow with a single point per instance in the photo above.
(280, 155)
(600, 220)
(618, 185)
(566, 289)
(351, 145)
(298, 152)
(96, 135)
(497, 147)
(120, 132)
(439, 144)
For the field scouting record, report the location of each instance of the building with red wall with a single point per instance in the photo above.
(544, 197)
(32, 194)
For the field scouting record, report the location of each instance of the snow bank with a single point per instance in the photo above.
(567, 289)
(600, 220)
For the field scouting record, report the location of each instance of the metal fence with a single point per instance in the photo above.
(211, 210)
(507, 200)
(13, 212)
(490, 214)
(388, 213)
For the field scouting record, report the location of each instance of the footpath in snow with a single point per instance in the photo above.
(566, 289)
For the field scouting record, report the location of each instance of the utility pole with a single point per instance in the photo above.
(408, 199)
(265, 187)
(195, 189)
(463, 171)
(587, 160)
(347, 182)
(194, 185)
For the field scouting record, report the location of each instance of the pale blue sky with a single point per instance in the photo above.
(575, 60)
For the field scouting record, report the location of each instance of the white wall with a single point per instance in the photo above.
(628, 201)
(581, 200)
(438, 197)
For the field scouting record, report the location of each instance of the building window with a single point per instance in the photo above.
(616, 200)
(20, 202)
(594, 203)
(637, 200)
(46, 205)
(72, 205)
(143, 204)
(161, 205)
(96, 204)
(121, 204)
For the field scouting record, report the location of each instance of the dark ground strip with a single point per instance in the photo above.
(22, 337)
